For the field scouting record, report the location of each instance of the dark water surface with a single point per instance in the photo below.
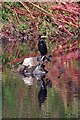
(58, 98)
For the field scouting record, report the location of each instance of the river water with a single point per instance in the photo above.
(59, 98)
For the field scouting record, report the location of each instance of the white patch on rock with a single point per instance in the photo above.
(29, 62)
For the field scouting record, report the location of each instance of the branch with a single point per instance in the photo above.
(26, 9)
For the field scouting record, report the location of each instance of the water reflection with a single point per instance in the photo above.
(42, 97)
(43, 84)
(42, 92)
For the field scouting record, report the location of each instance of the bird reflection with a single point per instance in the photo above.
(42, 93)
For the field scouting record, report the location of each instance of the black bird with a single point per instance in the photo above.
(42, 45)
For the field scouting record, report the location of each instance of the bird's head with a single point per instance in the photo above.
(42, 37)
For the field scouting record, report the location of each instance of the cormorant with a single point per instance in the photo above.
(42, 45)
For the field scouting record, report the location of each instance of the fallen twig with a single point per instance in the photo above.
(26, 9)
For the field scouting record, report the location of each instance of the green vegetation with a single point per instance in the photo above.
(22, 23)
